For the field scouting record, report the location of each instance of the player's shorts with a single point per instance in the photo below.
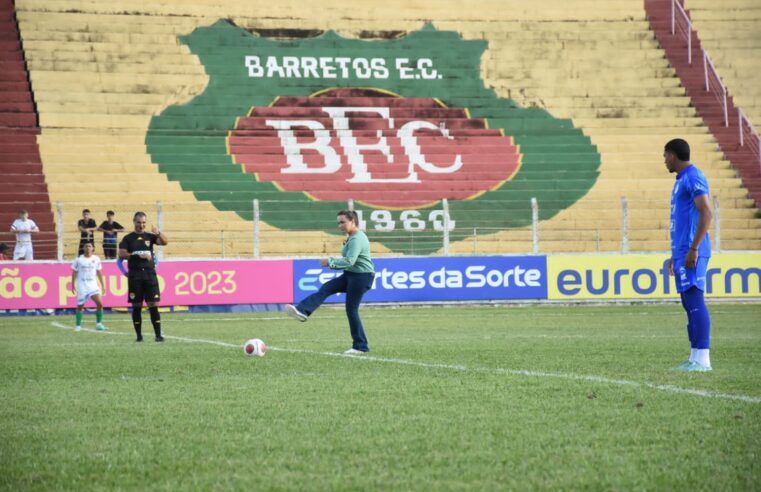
(143, 286)
(690, 277)
(109, 248)
(23, 250)
(86, 292)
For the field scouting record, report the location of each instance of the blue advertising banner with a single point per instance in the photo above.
(437, 279)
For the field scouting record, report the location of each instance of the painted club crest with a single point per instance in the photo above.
(396, 126)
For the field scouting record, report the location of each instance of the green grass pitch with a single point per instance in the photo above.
(455, 398)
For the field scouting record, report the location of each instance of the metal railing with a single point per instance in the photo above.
(714, 85)
(748, 135)
(680, 22)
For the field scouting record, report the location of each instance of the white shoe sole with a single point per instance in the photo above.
(352, 351)
(294, 313)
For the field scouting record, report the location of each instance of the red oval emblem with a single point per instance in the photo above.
(373, 147)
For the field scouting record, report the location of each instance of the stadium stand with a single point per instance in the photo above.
(731, 33)
(22, 184)
(101, 70)
(723, 39)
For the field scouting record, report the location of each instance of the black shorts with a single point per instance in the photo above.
(143, 286)
(109, 249)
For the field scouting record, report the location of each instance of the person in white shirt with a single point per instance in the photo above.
(87, 283)
(23, 227)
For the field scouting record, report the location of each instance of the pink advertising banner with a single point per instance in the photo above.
(183, 283)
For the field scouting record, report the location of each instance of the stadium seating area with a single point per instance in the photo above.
(100, 71)
(731, 32)
(713, 96)
(23, 183)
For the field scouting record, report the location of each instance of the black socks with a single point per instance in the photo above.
(137, 321)
(155, 320)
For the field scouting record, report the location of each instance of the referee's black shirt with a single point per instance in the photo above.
(133, 242)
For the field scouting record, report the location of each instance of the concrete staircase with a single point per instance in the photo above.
(22, 182)
(727, 26)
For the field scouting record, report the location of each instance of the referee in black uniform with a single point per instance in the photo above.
(137, 248)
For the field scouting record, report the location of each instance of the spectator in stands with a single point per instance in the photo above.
(357, 279)
(4, 252)
(690, 249)
(23, 227)
(87, 228)
(110, 229)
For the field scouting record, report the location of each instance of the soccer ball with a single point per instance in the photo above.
(254, 347)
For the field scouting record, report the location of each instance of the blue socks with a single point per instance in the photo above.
(698, 319)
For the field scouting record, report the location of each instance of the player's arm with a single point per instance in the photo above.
(704, 222)
(74, 281)
(705, 215)
(123, 245)
(352, 253)
(34, 229)
(161, 240)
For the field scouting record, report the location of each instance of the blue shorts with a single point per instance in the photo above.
(690, 277)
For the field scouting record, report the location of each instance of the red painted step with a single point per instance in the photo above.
(18, 148)
(28, 158)
(12, 45)
(13, 86)
(38, 211)
(23, 197)
(18, 120)
(30, 169)
(16, 107)
(22, 183)
(29, 187)
(15, 97)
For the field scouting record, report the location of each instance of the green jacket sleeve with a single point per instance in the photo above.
(353, 248)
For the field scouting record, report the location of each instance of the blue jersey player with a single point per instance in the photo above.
(690, 249)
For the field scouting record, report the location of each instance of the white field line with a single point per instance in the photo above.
(198, 317)
(456, 367)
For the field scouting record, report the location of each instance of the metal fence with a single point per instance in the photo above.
(622, 226)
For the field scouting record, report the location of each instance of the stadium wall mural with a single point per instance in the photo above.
(395, 125)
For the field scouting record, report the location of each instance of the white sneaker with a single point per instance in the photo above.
(294, 313)
(100, 327)
(77, 328)
(353, 351)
